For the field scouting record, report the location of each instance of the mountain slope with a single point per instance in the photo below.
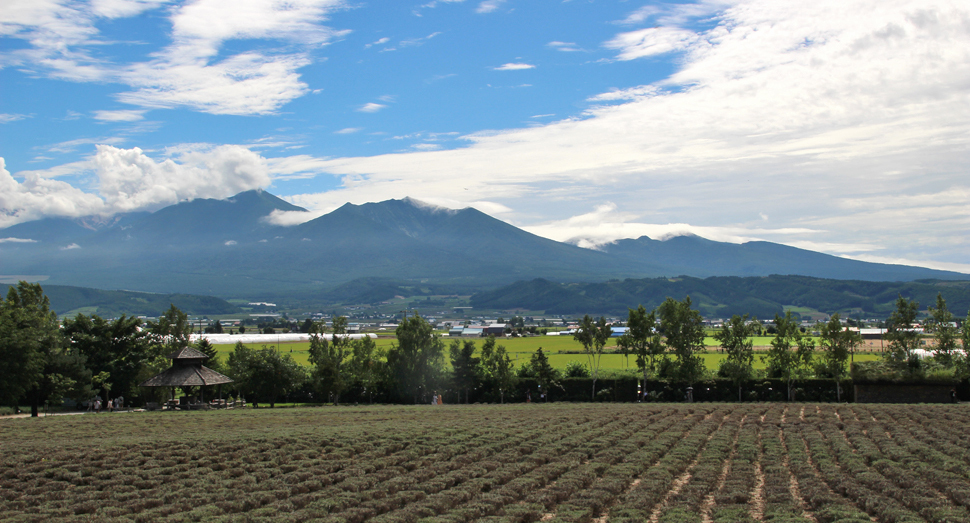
(228, 248)
(700, 257)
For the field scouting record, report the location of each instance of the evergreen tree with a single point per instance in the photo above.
(497, 371)
(546, 376)
(901, 334)
(941, 323)
(465, 366)
(118, 348)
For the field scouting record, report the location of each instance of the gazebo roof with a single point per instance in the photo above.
(187, 376)
(188, 353)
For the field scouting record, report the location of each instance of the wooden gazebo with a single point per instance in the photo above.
(187, 371)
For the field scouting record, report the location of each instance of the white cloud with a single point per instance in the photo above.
(290, 218)
(513, 67)
(129, 180)
(487, 6)
(37, 197)
(66, 169)
(230, 243)
(381, 41)
(17, 240)
(70, 247)
(193, 71)
(370, 107)
(7, 118)
(569, 47)
(653, 41)
(793, 111)
(119, 116)
(414, 42)
(349, 130)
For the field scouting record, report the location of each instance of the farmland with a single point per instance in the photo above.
(516, 463)
(560, 349)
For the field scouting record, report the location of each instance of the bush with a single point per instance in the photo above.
(575, 369)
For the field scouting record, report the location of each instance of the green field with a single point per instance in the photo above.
(523, 463)
(560, 349)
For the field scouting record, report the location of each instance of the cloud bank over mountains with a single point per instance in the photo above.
(835, 124)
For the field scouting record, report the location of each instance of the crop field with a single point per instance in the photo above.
(498, 463)
(560, 349)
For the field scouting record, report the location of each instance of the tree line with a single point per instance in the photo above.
(43, 361)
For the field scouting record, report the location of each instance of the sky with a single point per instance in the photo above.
(838, 126)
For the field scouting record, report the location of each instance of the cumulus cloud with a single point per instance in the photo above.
(70, 247)
(37, 197)
(130, 180)
(514, 67)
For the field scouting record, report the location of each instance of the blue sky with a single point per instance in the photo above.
(839, 126)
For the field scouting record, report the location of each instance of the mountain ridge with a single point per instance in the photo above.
(229, 248)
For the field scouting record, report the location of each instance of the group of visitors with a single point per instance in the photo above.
(436, 399)
(96, 404)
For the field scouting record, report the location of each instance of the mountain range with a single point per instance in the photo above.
(228, 248)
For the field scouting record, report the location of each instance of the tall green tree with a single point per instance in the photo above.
(328, 356)
(964, 362)
(27, 328)
(941, 324)
(497, 372)
(735, 337)
(169, 333)
(837, 344)
(36, 363)
(643, 339)
(790, 356)
(367, 366)
(118, 347)
(264, 375)
(465, 366)
(416, 361)
(593, 334)
(901, 334)
(546, 376)
(683, 331)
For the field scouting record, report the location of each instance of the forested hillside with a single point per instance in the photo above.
(724, 296)
(109, 304)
